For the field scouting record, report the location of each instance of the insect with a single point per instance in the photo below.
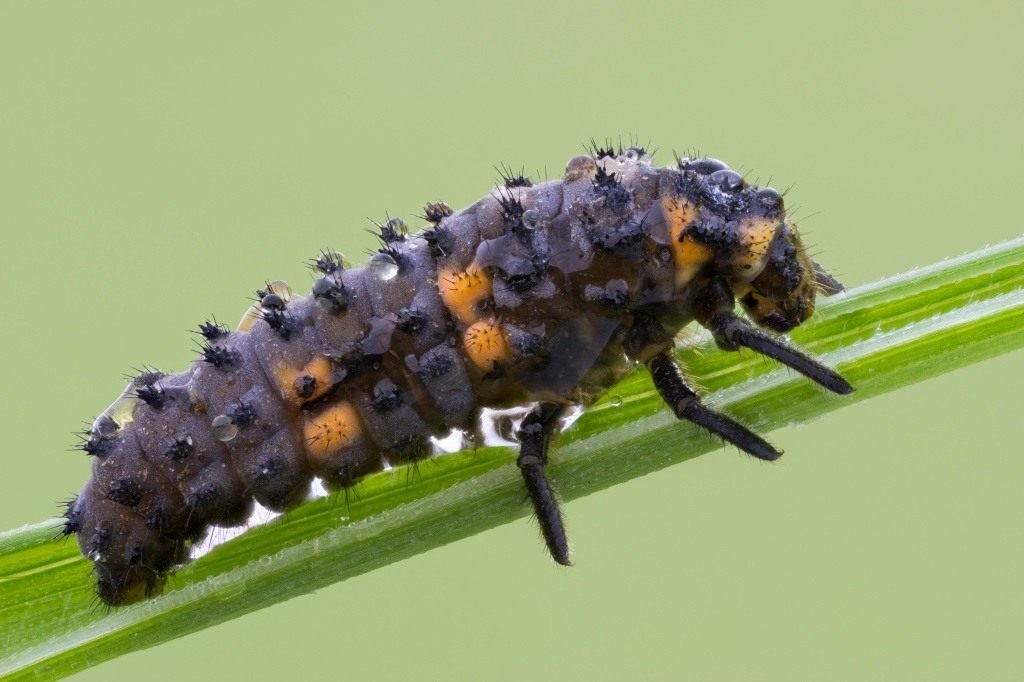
(538, 294)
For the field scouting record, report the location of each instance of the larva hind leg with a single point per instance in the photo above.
(534, 436)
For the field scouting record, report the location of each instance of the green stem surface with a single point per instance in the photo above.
(882, 336)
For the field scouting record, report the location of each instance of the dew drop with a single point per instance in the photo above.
(383, 266)
(616, 400)
(531, 219)
(223, 428)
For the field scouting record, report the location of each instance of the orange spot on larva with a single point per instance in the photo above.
(461, 291)
(485, 344)
(300, 386)
(756, 235)
(331, 429)
(688, 254)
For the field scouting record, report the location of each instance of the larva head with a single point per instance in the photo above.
(725, 227)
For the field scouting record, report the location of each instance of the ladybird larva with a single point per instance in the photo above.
(539, 293)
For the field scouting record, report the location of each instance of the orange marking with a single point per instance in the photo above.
(688, 254)
(756, 236)
(485, 344)
(330, 430)
(289, 380)
(462, 291)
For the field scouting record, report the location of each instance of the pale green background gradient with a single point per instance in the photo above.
(157, 165)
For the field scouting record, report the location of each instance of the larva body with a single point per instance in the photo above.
(540, 294)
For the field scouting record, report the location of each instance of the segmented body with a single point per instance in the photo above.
(531, 294)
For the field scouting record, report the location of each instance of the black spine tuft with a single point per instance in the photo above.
(242, 414)
(212, 330)
(396, 254)
(386, 396)
(434, 365)
(328, 263)
(125, 491)
(330, 293)
(393, 230)
(436, 211)
(511, 179)
(411, 320)
(305, 386)
(599, 152)
(610, 187)
(221, 357)
(441, 241)
(273, 313)
(152, 395)
(97, 446)
(72, 517)
(180, 449)
(511, 209)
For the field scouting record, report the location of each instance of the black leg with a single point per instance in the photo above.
(731, 332)
(534, 433)
(714, 310)
(686, 404)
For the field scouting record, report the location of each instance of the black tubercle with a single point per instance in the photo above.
(434, 365)
(601, 152)
(397, 255)
(386, 395)
(97, 446)
(623, 241)
(330, 293)
(511, 209)
(152, 395)
(609, 186)
(440, 240)
(221, 357)
(436, 211)
(212, 330)
(511, 179)
(305, 386)
(125, 491)
(269, 469)
(704, 165)
(204, 496)
(242, 414)
(411, 320)
(271, 301)
(179, 449)
(99, 543)
(72, 517)
(100, 439)
(328, 263)
(392, 230)
(274, 314)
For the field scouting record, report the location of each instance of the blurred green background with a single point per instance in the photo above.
(158, 164)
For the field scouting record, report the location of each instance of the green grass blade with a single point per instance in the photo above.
(881, 336)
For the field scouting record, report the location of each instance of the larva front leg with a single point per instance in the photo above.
(714, 310)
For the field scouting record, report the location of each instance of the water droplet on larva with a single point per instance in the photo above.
(383, 266)
(223, 428)
(531, 219)
(616, 400)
